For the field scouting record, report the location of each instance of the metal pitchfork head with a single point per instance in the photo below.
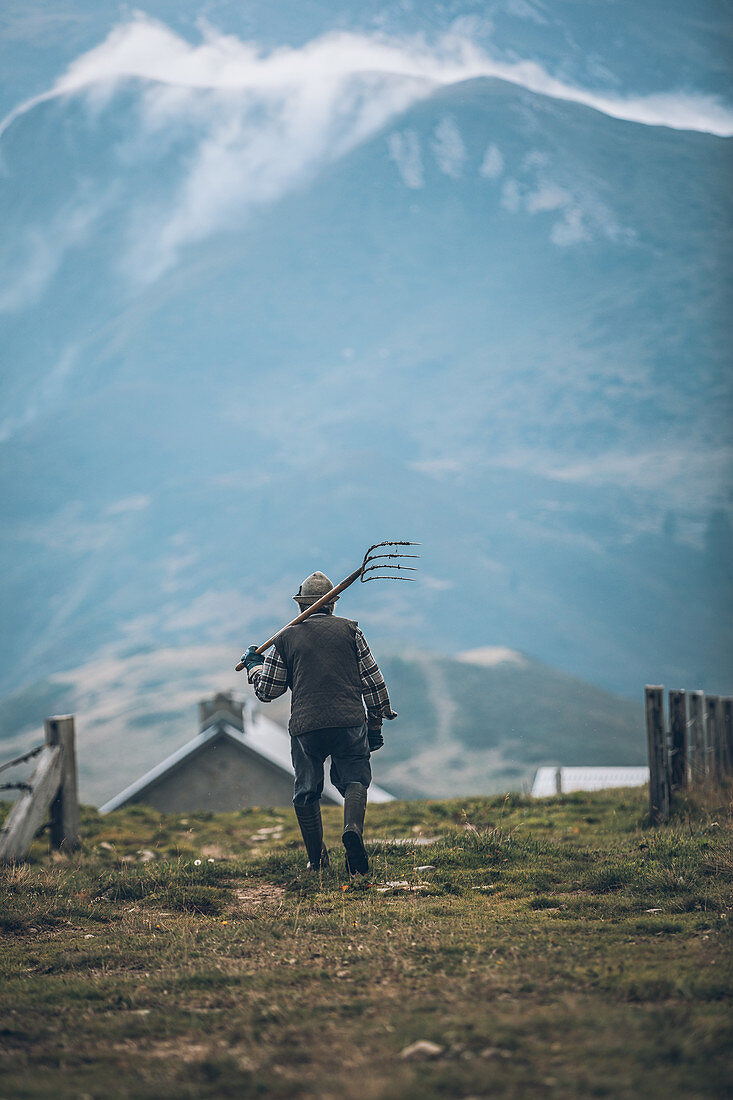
(383, 566)
(386, 566)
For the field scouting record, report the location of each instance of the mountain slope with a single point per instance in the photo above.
(496, 326)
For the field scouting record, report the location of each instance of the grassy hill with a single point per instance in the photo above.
(554, 948)
(480, 724)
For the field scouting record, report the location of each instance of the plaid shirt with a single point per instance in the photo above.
(271, 680)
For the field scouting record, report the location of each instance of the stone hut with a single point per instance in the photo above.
(239, 759)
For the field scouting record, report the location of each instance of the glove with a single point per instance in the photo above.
(252, 660)
(375, 739)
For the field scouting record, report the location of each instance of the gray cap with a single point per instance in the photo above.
(312, 589)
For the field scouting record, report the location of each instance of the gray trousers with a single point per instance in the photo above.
(348, 748)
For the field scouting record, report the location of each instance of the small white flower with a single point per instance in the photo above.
(209, 861)
(197, 863)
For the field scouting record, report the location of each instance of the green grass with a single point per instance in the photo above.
(558, 948)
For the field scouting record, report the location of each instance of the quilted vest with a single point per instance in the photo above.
(323, 673)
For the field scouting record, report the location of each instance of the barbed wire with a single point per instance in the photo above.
(21, 759)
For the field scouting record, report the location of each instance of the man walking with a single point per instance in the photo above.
(327, 664)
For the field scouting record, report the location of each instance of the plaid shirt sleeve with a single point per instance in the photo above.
(373, 686)
(272, 681)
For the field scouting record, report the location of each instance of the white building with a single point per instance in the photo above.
(554, 781)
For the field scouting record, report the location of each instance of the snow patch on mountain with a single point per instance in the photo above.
(404, 150)
(448, 148)
(492, 165)
(491, 656)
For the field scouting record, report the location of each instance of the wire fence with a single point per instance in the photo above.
(22, 759)
(20, 785)
(50, 790)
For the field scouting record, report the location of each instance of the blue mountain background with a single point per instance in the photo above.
(497, 324)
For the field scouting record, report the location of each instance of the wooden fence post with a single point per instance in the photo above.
(65, 807)
(728, 735)
(678, 739)
(697, 736)
(709, 717)
(715, 747)
(657, 748)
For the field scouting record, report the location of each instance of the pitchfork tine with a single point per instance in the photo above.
(375, 556)
(379, 568)
(365, 580)
(371, 568)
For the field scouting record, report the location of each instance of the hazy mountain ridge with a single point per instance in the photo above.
(601, 45)
(462, 728)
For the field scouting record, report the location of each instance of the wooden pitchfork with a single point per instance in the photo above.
(374, 563)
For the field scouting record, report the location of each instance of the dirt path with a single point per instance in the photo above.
(254, 895)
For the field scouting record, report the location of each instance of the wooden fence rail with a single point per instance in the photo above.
(52, 788)
(695, 748)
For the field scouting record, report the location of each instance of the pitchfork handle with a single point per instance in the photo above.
(320, 602)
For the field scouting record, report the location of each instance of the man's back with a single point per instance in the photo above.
(322, 660)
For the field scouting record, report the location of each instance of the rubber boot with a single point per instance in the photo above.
(357, 862)
(311, 827)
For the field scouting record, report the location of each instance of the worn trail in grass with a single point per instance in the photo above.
(556, 948)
